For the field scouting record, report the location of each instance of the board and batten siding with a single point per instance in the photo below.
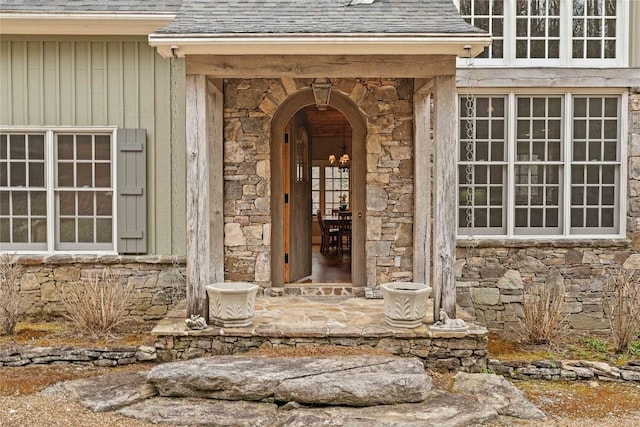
(106, 82)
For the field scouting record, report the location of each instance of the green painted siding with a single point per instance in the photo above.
(105, 82)
(634, 34)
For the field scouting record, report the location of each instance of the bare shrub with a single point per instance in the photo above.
(10, 301)
(623, 298)
(545, 317)
(99, 304)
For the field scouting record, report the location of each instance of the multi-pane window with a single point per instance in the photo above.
(23, 195)
(56, 191)
(336, 188)
(537, 28)
(487, 15)
(538, 164)
(594, 28)
(553, 168)
(315, 189)
(483, 161)
(329, 185)
(550, 32)
(83, 191)
(595, 165)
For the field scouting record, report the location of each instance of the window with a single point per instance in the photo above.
(540, 165)
(594, 28)
(551, 32)
(537, 28)
(328, 185)
(57, 191)
(487, 15)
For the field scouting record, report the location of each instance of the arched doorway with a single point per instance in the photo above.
(279, 148)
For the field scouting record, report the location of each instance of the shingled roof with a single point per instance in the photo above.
(317, 17)
(112, 6)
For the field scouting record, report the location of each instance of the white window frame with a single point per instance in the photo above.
(565, 203)
(566, 42)
(51, 189)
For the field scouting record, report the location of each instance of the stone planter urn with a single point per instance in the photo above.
(405, 303)
(232, 304)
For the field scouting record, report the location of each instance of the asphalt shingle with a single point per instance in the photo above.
(279, 17)
(139, 6)
(317, 17)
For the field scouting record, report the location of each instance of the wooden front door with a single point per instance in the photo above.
(297, 203)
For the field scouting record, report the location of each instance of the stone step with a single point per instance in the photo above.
(348, 380)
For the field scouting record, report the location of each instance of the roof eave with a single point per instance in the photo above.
(83, 23)
(181, 45)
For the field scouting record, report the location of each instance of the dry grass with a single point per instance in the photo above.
(545, 318)
(10, 274)
(624, 307)
(59, 332)
(98, 305)
(580, 399)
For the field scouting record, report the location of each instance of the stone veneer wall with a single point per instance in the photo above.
(445, 353)
(491, 282)
(158, 281)
(249, 106)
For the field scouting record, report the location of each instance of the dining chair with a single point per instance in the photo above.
(344, 232)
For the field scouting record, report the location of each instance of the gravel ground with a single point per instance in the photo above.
(26, 401)
(48, 411)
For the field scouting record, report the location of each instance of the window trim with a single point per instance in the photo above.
(463, 233)
(566, 46)
(52, 215)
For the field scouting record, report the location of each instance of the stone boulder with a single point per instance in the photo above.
(110, 392)
(497, 392)
(352, 380)
(203, 412)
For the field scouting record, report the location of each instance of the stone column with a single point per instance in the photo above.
(445, 137)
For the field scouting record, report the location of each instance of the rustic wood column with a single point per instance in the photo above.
(422, 183)
(198, 138)
(215, 136)
(445, 132)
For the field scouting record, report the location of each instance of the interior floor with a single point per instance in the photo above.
(329, 267)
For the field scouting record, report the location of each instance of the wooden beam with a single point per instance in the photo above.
(422, 193)
(272, 66)
(551, 77)
(197, 163)
(445, 137)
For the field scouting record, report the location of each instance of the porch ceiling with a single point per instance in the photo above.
(327, 124)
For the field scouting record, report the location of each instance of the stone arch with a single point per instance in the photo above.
(357, 120)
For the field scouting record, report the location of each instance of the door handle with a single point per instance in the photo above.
(359, 214)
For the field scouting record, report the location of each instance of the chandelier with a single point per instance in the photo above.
(343, 162)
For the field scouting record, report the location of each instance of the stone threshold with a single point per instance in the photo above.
(316, 289)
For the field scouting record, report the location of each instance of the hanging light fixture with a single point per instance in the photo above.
(344, 161)
(321, 88)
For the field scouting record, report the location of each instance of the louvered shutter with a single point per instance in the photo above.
(132, 197)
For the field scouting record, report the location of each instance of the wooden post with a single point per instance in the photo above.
(197, 163)
(215, 136)
(445, 137)
(422, 180)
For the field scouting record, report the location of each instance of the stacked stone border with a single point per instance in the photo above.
(568, 370)
(12, 356)
(158, 281)
(441, 351)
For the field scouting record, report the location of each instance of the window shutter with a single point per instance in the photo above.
(132, 198)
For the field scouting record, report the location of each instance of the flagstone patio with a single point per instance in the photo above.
(304, 321)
